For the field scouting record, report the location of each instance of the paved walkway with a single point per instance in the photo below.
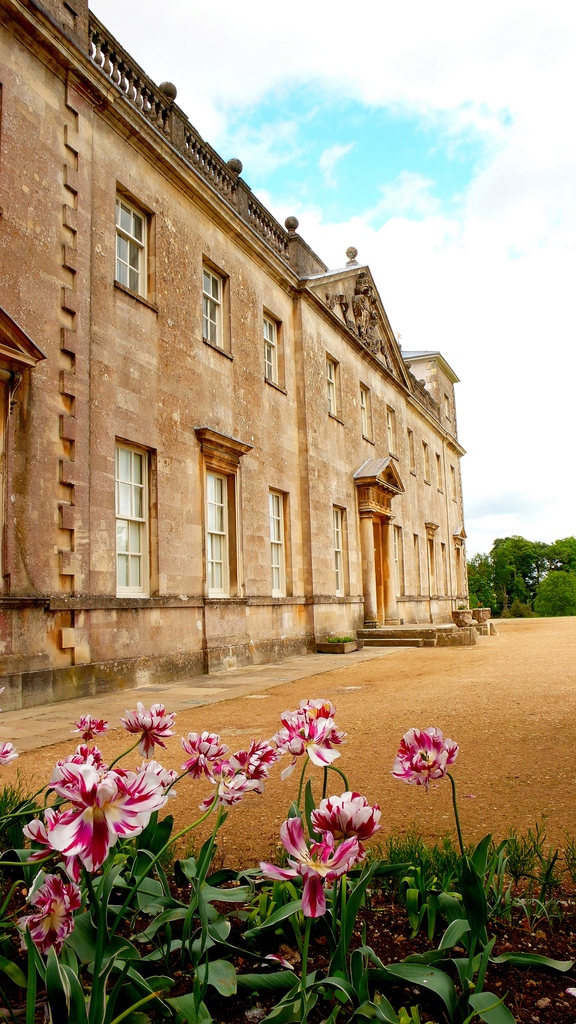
(40, 726)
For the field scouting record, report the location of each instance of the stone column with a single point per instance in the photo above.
(368, 570)
(389, 574)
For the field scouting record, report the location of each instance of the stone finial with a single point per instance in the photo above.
(235, 165)
(169, 89)
(352, 253)
(291, 224)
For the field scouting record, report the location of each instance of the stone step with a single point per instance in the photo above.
(394, 641)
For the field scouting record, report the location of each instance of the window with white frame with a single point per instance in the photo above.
(277, 547)
(331, 388)
(391, 429)
(131, 521)
(366, 412)
(270, 350)
(338, 529)
(217, 535)
(131, 261)
(212, 314)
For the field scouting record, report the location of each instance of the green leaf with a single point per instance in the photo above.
(381, 1011)
(490, 1008)
(78, 1008)
(428, 977)
(13, 972)
(186, 1008)
(83, 939)
(57, 989)
(533, 960)
(221, 975)
(156, 834)
(473, 897)
(454, 933)
(276, 918)
(279, 981)
(238, 894)
(479, 858)
(185, 870)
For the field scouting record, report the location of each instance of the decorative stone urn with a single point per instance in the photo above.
(482, 614)
(462, 617)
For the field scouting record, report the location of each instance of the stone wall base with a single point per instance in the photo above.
(465, 637)
(26, 689)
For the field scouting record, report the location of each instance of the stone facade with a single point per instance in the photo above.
(213, 450)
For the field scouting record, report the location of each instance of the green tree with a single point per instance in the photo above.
(562, 555)
(519, 566)
(481, 582)
(556, 594)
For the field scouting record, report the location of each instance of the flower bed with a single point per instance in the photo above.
(112, 931)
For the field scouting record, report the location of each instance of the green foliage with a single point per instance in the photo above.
(510, 577)
(556, 594)
(481, 582)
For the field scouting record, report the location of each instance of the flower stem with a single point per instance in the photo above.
(123, 754)
(303, 1014)
(301, 786)
(31, 986)
(339, 772)
(456, 815)
(155, 860)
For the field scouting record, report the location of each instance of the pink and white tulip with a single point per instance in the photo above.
(205, 751)
(256, 762)
(39, 832)
(347, 815)
(106, 806)
(155, 726)
(309, 730)
(8, 753)
(51, 925)
(321, 862)
(88, 727)
(231, 786)
(167, 776)
(424, 755)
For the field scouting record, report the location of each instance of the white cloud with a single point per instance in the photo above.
(328, 160)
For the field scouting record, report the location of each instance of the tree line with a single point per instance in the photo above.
(521, 577)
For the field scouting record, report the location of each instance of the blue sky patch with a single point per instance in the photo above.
(343, 157)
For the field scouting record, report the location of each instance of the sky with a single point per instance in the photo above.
(438, 139)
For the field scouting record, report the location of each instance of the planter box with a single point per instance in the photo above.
(351, 645)
(482, 614)
(462, 617)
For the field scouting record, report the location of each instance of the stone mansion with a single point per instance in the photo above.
(212, 449)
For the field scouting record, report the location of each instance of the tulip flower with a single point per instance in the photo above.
(205, 750)
(347, 815)
(56, 902)
(309, 730)
(321, 862)
(39, 832)
(8, 753)
(155, 726)
(89, 727)
(106, 806)
(424, 755)
(231, 786)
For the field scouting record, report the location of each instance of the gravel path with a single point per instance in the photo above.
(509, 702)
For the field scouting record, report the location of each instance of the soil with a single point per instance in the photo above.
(508, 703)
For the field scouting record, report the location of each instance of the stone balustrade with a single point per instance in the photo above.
(157, 105)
